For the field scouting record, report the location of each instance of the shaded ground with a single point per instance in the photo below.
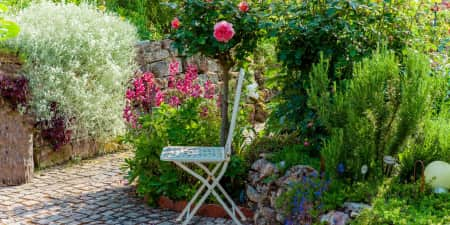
(92, 192)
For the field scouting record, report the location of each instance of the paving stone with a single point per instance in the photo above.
(92, 192)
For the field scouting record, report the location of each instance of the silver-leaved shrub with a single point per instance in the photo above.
(79, 57)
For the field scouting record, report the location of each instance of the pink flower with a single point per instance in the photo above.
(223, 31)
(130, 94)
(173, 67)
(174, 101)
(310, 124)
(175, 23)
(306, 144)
(159, 98)
(204, 111)
(171, 82)
(139, 88)
(243, 6)
(209, 90)
(182, 86)
(219, 102)
(148, 78)
(196, 91)
(191, 73)
(129, 116)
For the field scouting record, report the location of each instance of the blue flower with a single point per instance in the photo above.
(317, 193)
(341, 168)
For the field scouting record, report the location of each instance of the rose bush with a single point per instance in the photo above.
(224, 30)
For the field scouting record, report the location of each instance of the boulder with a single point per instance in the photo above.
(354, 209)
(335, 218)
(252, 194)
(295, 174)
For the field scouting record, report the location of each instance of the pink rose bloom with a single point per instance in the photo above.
(243, 6)
(223, 31)
(306, 144)
(175, 23)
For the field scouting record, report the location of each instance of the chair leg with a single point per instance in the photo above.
(188, 206)
(222, 190)
(208, 192)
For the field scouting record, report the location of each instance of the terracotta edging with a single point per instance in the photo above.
(206, 210)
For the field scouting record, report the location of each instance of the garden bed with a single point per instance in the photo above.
(207, 210)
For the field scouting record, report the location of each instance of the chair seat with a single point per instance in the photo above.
(193, 154)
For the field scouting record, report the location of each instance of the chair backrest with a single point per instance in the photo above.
(234, 114)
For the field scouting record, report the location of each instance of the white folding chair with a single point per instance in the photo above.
(202, 155)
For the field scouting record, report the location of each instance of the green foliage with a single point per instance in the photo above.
(340, 192)
(292, 156)
(404, 204)
(151, 17)
(8, 29)
(430, 143)
(195, 36)
(343, 31)
(80, 58)
(269, 144)
(168, 126)
(176, 126)
(374, 115)
(198, 18)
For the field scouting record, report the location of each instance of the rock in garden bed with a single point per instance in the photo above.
(266, 184)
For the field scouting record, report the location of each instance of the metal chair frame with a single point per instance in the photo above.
(180, 155)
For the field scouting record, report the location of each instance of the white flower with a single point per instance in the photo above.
(79, 57)
(252, 90)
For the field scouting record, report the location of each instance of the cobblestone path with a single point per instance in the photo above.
(91, 192)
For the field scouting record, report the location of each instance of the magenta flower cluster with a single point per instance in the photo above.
(145, 93)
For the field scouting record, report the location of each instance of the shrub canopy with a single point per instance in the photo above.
(77, 58)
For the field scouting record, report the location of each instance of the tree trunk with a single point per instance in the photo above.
(226, 63)
(224, 109)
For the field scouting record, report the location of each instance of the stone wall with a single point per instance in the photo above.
(156, 56)
(16, 146)
(46, 156)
